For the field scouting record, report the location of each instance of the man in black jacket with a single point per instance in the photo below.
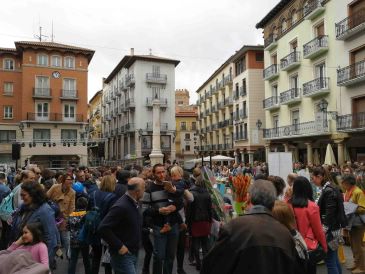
(122, 229)
(254, 243)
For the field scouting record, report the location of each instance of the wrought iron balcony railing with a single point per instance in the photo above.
(55, 117)
(290, 61)
(156, 78)
(351, 74)
(350, 25)
(313, 8)
(69, 94)
(271, 72)
(271, 102)
(351, 122)
(316, 87)
(243, 91)
(129, 80)
(290, 96)
(41, 93)
(270, 42)
(315, 47)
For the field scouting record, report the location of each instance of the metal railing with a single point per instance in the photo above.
(56, 117)
(351, 72)
(243, 91)
(271, 101)
(130, 127)
(41, 92)
(236, 116)
(270, 71)
(315, 85)
(68, 93)
(243, 113)
(156, 78)
(269, 40)
(290, 59)
(129, 103)
(129, 80)
(149, 101)
(240, 136)
(300, 129)
(350, 22)
(227, 79)
(289, 95)
(311, 6)
(320, 42)
(353, 121)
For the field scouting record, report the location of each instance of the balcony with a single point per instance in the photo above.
(270, 42)
(315, 47)
(209, 94)
(129, 103)
(42, 93)
(107, 100)
(112, 133)
(123, 108)
(221, 105)
(236, 95)
(243, 91)
(54, 117)
(129, 80)
(351, 25)
(130, 127)
(164, 127)
(236, 116)
(352, 74)
(156, 78)
(162, 102)
(271, 103)
(106, 135)
(228, 101)
(227, 80)
(214, 90)
(351, 122)
(214, 126)
(271, 72)
(291, 96)
(316, 87)
(312, 128)
(240, 136)
(290, 61)
(214, 147)
(107, 117)
(69, 95)
(312, 9)
(214, 109)
(243, 113)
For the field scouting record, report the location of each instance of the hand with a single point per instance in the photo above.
(164, 211)
(19, 241)
(170, 188)
(123, 250)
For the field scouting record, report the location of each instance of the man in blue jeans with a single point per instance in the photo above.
(122, 229)
(158, 202)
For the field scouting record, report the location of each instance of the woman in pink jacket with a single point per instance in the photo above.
(31, 240)
(307, 217)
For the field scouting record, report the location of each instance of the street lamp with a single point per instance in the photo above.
(140, 132)
(258, 124)
(21, 127)
(323, 104)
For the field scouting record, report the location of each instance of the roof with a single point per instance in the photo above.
(95, 95)
(52, 45)
(245, 49)
(128, 61)
(9, 51)
(272, 13)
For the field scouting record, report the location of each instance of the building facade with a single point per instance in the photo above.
(94, 130)
(230, 107)
(44, 102)
(313, 89)
(129, 94)
(186, 140)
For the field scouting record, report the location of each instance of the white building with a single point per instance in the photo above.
(127, 119)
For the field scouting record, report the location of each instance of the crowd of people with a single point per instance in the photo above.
(108, 213)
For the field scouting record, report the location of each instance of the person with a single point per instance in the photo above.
(199, 219)
(4, 191)
(122, 229)
(254, 235)
(74, 226)
(64, 196)
(156, 205)
(332, 215)
(306, 213)
(122, 176)
(279, 185)
(25, 176)
(89, 185)
(32, 241)
(102, 199)
(355, 195)
(285, 215)
(289, 190)
(35, 209)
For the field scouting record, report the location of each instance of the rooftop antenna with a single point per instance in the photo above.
(39, 37)
(150, 51)
(52, 35)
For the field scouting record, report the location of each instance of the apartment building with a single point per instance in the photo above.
(44, 102)
(314, 88)
(94, 129)
(229, 107)
(130, 92)
(186, 127)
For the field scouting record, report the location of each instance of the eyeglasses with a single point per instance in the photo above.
(38, 173)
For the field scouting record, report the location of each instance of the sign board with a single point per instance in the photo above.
(280, 164)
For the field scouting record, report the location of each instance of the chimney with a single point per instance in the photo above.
(132, 51)
(103, 81)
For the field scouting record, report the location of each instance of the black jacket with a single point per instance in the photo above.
(331, 208)
(201, 208)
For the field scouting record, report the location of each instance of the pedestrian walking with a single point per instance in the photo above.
(4, 191)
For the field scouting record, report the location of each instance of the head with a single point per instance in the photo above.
(196, 172)
(66, 180)
(347, 170)
(284, 214)
(320, 176)
(81, 176)
(159, 172)
(37, 171)
(348, 182)
(32, 193)
(263, 192)
(278, 183)
(32, 233)
(134, 173)
(200, 181)
(136, 187)
(2, 178)
(81, 203)
(108, 183)
(302, 192)
(176, 173)
(123, 176)
(27, 176)
(291, 177)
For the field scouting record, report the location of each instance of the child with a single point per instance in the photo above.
(31, 240)
(75, 222)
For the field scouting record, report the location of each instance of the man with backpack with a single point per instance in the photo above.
(4, 191)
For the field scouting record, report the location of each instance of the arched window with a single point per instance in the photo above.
(69, 62)
(294, 16)
(283, 25)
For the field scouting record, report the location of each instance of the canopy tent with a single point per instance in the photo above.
(330, 156)
(221, 158)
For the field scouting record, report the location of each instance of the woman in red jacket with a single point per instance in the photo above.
(307, 217)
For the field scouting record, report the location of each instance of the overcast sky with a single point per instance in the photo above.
(202, 34)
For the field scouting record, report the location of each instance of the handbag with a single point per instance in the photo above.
(316, 255)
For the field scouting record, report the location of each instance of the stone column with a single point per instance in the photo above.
(267, 151)
(156, 155)
(138, 144)
(242, 156)
(121, 146)
(309, 152)
(340, 152)
(236, 158)
(286, 147)
(128, 144)
(250, 157)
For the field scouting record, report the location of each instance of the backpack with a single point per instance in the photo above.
(6, 206)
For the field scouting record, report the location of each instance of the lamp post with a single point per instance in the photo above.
(21, 127)
(323, 105)
(258, 124)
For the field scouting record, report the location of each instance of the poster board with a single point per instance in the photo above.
(280, 164)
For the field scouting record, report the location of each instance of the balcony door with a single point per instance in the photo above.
(320, 73)
(275, 123)
(42, 86)
(42, 112)
(295, 121)
(358, 112)
(319, 29)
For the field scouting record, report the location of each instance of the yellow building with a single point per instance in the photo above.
(94, 118)
(186, 118)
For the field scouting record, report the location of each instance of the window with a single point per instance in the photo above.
(42, 60)
(259, 56)
(193, 125)
(55, 61)
(6, 136)
(69, 87)
(8, 112)
(320, 70)
(294, 17)
(187, 136)
(244, 109)
(319, 29)
(42, 86)
(156, 71)
(293, 45)
(295, 119)
(183, 125)
(9, 64)
(69, 111)
(180, 103)
(237, 91)
(42, 111)
(244, 87)
(156, 92)
(275, 121)
(69, 62)
(241, 66)
(8, 88)
(283, 25)
(294, 81)
(187, 148)
(68, 134)
(274, 90)
(41, 134)
(274, 59)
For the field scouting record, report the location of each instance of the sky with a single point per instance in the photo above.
(202, 34)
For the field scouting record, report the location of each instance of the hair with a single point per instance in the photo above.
(36, 191)
(122, 176)
(63, 177)
(263, 192)
(196, 172)
(291, 177)
(278, 183)
(321, 171)
(37, 232)
(108, 184)
(81, 203)
(260, 176)
(349, 179)
(283, 213)
(200, 181)
(134, 173)
(2, 176)
(157, 166)
(347, 167)
(176, 170)
(113, 169)
(47, 174)
(302, 192)
(25, 174)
